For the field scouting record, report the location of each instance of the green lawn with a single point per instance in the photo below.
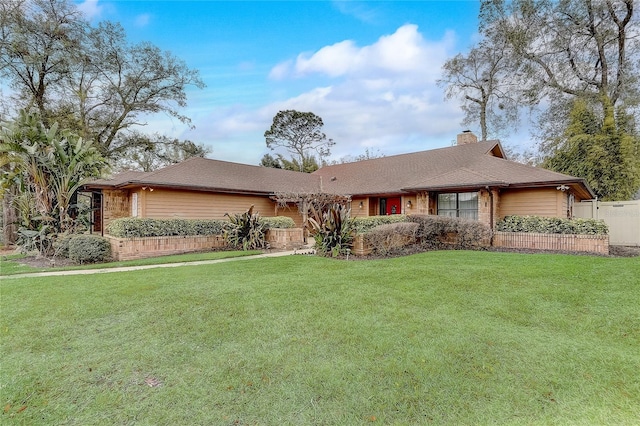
(453, 337)
(12, 265)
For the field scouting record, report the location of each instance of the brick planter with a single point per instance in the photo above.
(140, 248)
(557, 242)
(285, 239)
(360, 247)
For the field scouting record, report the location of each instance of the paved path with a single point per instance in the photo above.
(163, 265)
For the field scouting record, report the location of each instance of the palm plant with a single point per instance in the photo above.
(47, 166)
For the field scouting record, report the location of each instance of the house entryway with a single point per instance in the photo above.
(389, 206)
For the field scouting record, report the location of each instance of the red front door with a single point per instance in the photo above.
(390, 206)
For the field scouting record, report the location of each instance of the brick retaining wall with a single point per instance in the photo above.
(140, 248)
(557, 242)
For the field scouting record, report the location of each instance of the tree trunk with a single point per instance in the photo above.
(9, 218)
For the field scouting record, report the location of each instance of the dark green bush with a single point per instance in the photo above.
(364, 223)
(133, 227)
(552, 225)
(281, 222)
(451, 232)
(245, 230)
(89, 249)
(385, 239)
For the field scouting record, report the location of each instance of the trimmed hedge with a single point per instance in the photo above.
(365, 223)
(89, 249)
(281, 222)
(552, 225)
(451, 232)
(133, 227)
(385, 239)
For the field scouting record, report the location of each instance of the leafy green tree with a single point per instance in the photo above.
(309, 165)
(269, 160)
(48, 165)
(571, 53)
(599, 151)
(90, 80)
(148, 153)
(299, 133)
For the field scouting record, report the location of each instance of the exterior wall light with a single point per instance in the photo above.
(409, 204)
(361, 205)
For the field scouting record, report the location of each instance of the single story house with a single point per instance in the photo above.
(471, 180)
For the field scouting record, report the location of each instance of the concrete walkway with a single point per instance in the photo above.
(305, 250)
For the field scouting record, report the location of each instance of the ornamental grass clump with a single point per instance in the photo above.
(246, 230)
(332, 230)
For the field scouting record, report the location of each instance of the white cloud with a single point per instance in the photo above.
(142, 20)
(382, 96)
(402, 52)
(358, 10)
(90, 9)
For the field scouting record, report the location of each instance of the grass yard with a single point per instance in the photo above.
(11, 264)
(451, 337)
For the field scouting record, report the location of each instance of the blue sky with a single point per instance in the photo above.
(368, 68)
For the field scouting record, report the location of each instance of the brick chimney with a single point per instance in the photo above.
(467, 137)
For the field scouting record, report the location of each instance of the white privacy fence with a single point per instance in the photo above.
(622, 218)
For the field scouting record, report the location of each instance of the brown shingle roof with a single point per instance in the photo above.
(458, 167)
(469, 166)
(391, 174)
(221, 176)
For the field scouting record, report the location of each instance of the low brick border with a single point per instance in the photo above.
(554, 242)
(140, 248)
(285, 238)
(598, 244)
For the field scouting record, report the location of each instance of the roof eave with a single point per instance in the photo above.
(138, 184)
(465, 186)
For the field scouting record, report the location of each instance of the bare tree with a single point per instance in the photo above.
(486, 82)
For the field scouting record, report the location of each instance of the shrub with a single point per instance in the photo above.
(332, 230)
(134, 227)
(552, 225)
(61, 244)
(451, 232)
(384, 239)
(40, 239)
(245, 230)
(89, 249)
(282, 222)
(365, 223)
